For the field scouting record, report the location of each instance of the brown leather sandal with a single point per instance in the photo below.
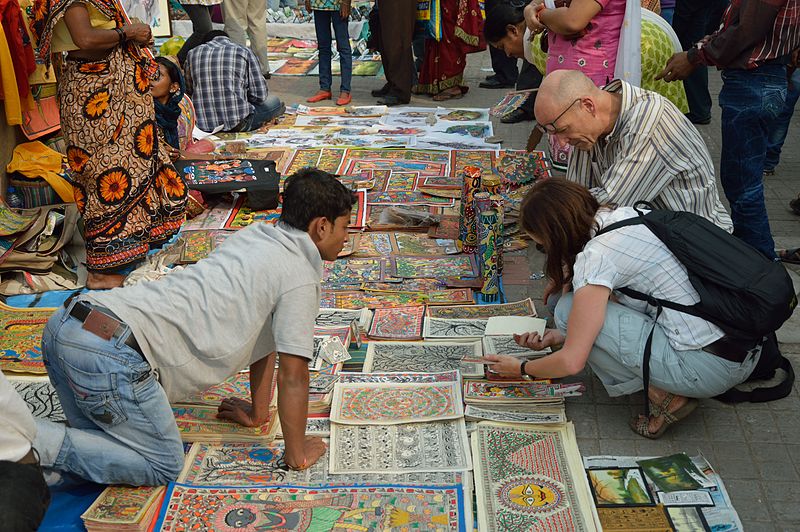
(641, 424)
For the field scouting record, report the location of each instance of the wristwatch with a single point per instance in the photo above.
(522, 370)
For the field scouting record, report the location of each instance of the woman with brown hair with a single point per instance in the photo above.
(607, 329)
(128, 192)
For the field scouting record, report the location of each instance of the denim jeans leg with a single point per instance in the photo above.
(781, 128)
(343, 47)
(263, 113)
(751, 101)
(121, 426)
(322, 25)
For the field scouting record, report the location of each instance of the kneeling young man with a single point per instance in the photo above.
(119, 358)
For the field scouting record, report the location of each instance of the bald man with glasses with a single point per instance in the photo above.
(630, 145)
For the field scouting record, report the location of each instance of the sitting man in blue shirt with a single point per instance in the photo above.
(227, 88)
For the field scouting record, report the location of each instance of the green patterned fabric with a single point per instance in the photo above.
(657, 48)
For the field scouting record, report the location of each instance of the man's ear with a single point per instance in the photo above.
(317, 228)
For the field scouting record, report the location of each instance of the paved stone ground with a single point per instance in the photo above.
(756, 448)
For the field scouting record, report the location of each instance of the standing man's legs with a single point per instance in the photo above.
(121, 426)
(750, 100)
(397, 19)
(322, 26)
(343, 47)
(257, 31)
(201, 24)
(777, 136)
(235, 14)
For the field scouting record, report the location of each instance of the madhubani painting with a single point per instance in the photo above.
(375, 245)
(40, 396)
(415, 244)
(441, 376)
(385, 404)
(236, 386)
(530, 479)
(434, 267)
(302, 159)
(330, 159)
(405, 285)
(520, 167)
(200, 423)
(21, 330)
(517, 308)
(343, 317)
(197, 245)
(503, 391)
(405, 448)
(397, 323)
(249, 463)
(424, 357)
(453, 328)
(312, 509)
(506, 345)
(545, 417)
(461, 158)
(406, 197)
(241, 216)
(352, 272)
(354, 299)
(122, 505)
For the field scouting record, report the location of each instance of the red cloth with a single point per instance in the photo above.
(19, 44)
(445, 60)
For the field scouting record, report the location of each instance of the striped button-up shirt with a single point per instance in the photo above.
(225, 82)
(653, 154)
(752, 32)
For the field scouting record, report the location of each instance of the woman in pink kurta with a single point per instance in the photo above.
(581, 35)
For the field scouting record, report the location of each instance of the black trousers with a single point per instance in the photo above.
(529, 78)
(397, 19)
(693, 20)
(24, 496)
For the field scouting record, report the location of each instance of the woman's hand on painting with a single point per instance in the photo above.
(314, 448)
(241, 412)
(532, 340)
(138, 33)
(504, 365)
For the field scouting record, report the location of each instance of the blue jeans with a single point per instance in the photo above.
(667, 14)
(617, 354)
(121, 427)
(262, 113)
(322, 23)
(751, 101)
(780, 128)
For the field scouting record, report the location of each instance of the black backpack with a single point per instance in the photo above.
(741, 291)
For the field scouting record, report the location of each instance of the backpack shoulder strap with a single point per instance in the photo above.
(636, 220)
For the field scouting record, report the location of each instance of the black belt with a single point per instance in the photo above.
(82, 310)
(730, 349)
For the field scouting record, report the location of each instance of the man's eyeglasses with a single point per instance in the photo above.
(551, 127)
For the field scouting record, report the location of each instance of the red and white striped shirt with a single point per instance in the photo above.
(752, 33)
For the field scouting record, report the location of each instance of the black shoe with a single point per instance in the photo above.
(490, 77)
(383, 91)
(392, 100)
(516, 116)
(267, 76)
(495, 84)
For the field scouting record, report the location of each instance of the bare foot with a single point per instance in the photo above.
(104, 281)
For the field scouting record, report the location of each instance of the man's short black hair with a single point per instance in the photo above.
(213, 34)
(499, 18)
(310, 193)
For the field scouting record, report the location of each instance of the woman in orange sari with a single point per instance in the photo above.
(442, 71)
(126, 188)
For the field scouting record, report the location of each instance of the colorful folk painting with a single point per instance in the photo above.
(200, 423)
(423, 168)
(302, 159)
(330, 159)
(386, 404)
(224, 509)
(404, 181)
(530, 479)
(197, 245)
(398, 155)
(400, 377)
(235, 386)
(517, 308)
(21, 330)
(354, 299)
(358, 216)
(406, 197)
(216, 171)
(397, 323)
(122, 505)
(40, 397)
(624, 486)
(424, 357)
(454, 328)
(375, 244)
(446, 228)
(434, 267)
(241, 215)
(518, 167)
(406, 285)
(505, 392)
(459, 159)
(404, 448)
(351, 272)
(417, 244)
(296, 67)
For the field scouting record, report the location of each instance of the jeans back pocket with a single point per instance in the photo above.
(97, 395)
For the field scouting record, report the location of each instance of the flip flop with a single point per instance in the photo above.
(641, 425)
(791, 256)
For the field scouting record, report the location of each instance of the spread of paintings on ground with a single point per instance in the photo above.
(188, 508)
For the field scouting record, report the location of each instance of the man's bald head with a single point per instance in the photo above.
(558, 90)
